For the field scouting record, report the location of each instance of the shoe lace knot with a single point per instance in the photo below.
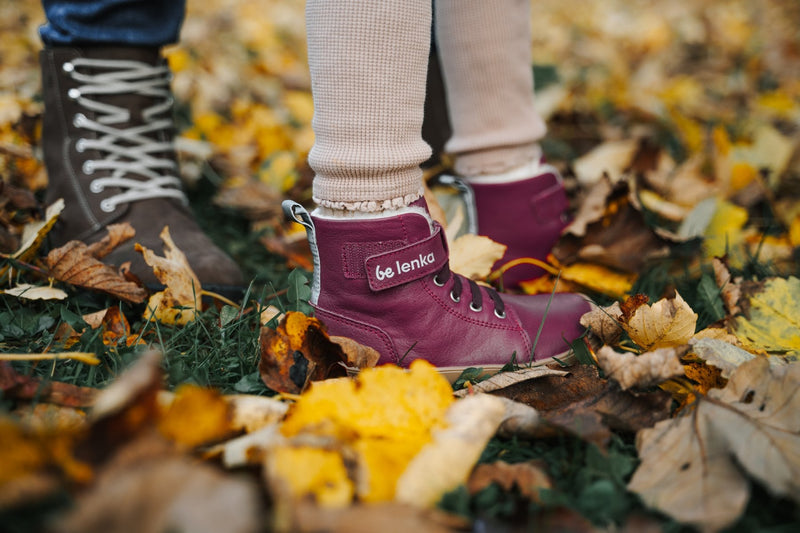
(476, 292)
(138, 158)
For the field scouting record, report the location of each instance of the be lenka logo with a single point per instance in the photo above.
(404, 267)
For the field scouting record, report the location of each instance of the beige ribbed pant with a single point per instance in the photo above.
(368, 62)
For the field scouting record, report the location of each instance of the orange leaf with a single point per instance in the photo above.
(297, 352)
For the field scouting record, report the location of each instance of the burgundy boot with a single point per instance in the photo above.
(386, 283)
(107, 137)
(526, 215)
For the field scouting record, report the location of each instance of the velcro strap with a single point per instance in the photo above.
(408, 263)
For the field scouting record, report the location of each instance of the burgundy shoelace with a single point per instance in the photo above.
(476, 304)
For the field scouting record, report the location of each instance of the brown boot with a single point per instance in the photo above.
(108, 147)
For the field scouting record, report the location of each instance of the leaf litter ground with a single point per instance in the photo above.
(677, 130)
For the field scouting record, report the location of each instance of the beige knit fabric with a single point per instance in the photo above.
(485, 52)
(368, 62)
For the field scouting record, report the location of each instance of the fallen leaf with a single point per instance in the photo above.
(694, 468)
(610, 159)
(165, 493)
(358, 355)
(35, 232)
(604, 322)
(643, 370)
(361, 518)
(502, 380)
(180, 301)
(720, 354)
(17, 386)
(446, 462)
(386, 415)
(308, 471)
(196, 416)
(472, 255)
(528, 477)
(666, 323)
(116, 235)
(773, 323)
(74, 264)
(31, 292)
(585, 405)
(730, 288)
(298, 352)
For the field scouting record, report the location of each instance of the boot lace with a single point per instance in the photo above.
(476, 304)
(138, 150)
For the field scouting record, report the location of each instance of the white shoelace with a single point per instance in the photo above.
(130, 151)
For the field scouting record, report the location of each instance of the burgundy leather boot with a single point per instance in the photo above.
(526, 215)
(385, 282)
(107, 137)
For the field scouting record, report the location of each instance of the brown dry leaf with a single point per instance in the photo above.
(730, 289)
(255, 199)
(643, 370)
(35, 232)
(586, 405)
(117, 234)
(666, 323)
(180, 301)
(15, 385)
(297, 352)
(308, 518)
(358, 355)
(473, 255)
(445, 463)
(604, 323)
(74, 264)
(529, 477)
(723, 355)
(164, 492)
(694, 468)
(502, 380)
(619, 239)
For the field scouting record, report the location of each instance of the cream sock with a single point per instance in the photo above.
(485, 49)
(368, 62)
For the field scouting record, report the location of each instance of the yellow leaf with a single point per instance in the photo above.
(310, 471)
(196, 416)
(773, 325)
(599, 278)
(668, 322)
(794, 232)
(473, 255)
(387, 415)
(34, 233)
(725, 229)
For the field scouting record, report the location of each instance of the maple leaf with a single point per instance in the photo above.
(179, 302)
(694, 468)
(668, 322)
(473, 255)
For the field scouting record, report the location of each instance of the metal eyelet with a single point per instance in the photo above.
(499, 315)
(476, 309)
(68, 67)
(88, 167)
(455, 298)
(437, 282)
(74, 93)
(107, 206)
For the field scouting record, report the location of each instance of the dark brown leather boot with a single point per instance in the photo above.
(108, 148)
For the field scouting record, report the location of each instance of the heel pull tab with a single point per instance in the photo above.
(299, 214)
